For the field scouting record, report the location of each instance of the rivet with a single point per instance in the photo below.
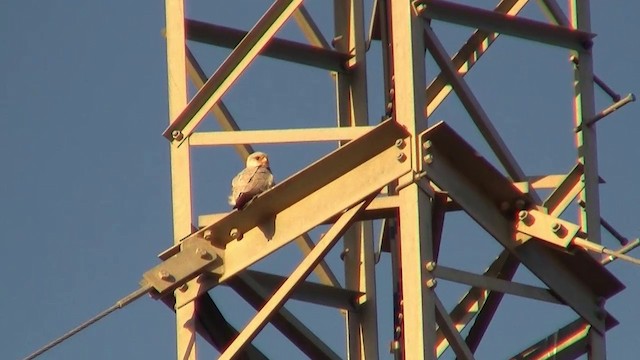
(177, 135)
(430, 265)
(428, 159)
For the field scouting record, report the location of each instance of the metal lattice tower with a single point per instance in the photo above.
(406, 173)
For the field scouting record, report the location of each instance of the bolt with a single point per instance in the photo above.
(523, 215)
(184, 287)
(398, 330)
(177, 135)
(392, 92)
(399, 143)
(335, 40)
(164, 274)
(395, 346)
(519, 204)
(420, 8)
(207, 235)
(556, 227)
(428, 159)
(400, 316)
(431, 283)
(430, 266)
(202, 252)
(401, 157)
(344, 253)
(235, 234)
(504, 206)
(427, 145)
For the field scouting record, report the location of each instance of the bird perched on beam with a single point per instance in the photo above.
(252, 181)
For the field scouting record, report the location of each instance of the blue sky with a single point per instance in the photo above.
(86, 188)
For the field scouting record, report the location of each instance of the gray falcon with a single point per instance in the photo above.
(252, 181)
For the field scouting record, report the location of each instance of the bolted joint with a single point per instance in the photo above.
(344, 253)
(419, 7)
(202, 253)
(177, 135)
(235, 234)
(394, 347)
(430, 266)
(164, 275)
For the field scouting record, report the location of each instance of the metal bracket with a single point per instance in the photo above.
(195, 255)
(546, 227)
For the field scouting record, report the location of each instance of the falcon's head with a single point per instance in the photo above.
(258, 159)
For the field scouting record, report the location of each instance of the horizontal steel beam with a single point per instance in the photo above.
(504, 24)
(308, 291)
(281, 49)
(495, 284)
(277, 136)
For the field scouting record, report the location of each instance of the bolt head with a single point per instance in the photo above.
(207, 234)
(401, 157)
(184, 287)
(164, 274)
(399, 143)
(430, 266)
(202, 252)
(177, 135)
(523, 215)
(234, 233)
(428, 159)
(556, 227)
(427, 145)
(431, 283)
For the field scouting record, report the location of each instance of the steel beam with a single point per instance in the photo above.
(495, 284)
(447, 327)
(473, 107)
(219, 110)
(180, 164)
(287, 50)
(507, 25)
(253, 291)
(352, 112)
(247, 50)
(468, 55)
(414, 244)
(276, 301)
(475, 185)
(220, 138)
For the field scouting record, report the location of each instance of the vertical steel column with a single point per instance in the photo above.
(359, 264)
(180, 165)
(415, 240)
(586, 140)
